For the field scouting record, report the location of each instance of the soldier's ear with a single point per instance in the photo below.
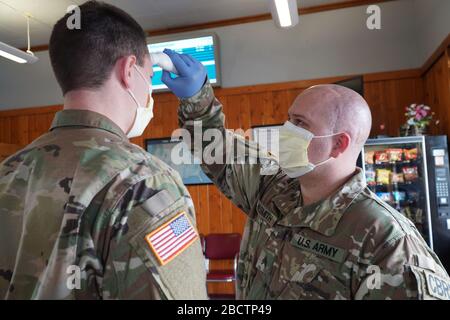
(341, 144)
(124, 69)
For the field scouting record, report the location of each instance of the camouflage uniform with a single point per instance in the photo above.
(82, 195)
(351, 245)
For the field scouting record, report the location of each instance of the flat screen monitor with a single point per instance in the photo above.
(164, 148)
(204, 48)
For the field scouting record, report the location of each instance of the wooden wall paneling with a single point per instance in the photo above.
(437, 94)
(388, 99)
(169, 116)
(292, 95)
(33, 131)
(7, 149)
(202, 210)
(215, 211)
(231, 111)
(244, 113)
(258, 104)
(280, 105)
(5, 130)
(38, 124)
(49, 119)
(268, 112)
(374, 95)
(20, 127)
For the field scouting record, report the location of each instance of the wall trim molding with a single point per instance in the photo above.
(258, 88)
(393, 75)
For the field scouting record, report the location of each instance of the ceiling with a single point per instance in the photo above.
(151, 14)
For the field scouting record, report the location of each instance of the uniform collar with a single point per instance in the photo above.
(325, 215)
(85, 118)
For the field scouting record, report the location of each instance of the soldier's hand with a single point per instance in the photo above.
(192, 75)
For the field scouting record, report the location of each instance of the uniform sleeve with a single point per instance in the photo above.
(237, 166)
(404, 268)
(133, 269)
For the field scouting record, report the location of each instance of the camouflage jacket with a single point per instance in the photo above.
(351, 245)
(80, 208)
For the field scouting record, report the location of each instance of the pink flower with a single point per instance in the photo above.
(421, 113)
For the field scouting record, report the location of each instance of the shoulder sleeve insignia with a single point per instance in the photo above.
(172, 238)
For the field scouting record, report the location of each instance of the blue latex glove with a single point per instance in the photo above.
(192, 75)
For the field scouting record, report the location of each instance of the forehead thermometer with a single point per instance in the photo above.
(162, 60)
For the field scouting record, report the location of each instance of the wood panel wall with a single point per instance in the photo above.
(6, 149)
(437, 92)
(386, 93)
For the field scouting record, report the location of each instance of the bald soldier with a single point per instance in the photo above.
(84, 213)
(314, 230)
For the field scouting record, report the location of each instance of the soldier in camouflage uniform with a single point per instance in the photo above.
(80, 205)
(347, 245)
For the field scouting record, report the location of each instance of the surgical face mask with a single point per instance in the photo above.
(293, 150)
(143, 114)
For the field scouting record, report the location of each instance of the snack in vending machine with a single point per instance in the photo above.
(381, 157)
(385, 196)
(406, 211)
(410, 173)
(419, 214)
(413, 196)
(370, 178)
(368, 156)
(394, 155)
(397, 178)
(410, 154)
(383, 176)
(399, 196)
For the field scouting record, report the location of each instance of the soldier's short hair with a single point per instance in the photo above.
(85, 57)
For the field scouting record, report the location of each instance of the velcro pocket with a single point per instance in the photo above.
(315, 280)
(300, 284)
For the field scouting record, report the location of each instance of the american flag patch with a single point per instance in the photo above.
(172, 238)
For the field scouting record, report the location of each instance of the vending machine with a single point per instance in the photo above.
(412, 175)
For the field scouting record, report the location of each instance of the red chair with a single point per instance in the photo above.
(222, 246)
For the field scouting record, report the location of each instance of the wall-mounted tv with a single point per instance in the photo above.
(191, 173)
(204, 48)
(356, 84)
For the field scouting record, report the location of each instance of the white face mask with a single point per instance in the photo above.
(294, 142)
(143, 114)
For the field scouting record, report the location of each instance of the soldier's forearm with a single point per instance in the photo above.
(203, 107)
(233, 162)
(200, 113)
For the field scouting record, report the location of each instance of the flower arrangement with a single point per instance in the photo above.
(418, 115)
(418, 118)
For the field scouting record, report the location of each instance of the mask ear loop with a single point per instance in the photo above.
(326, 136)
(149, 85)
(323, 162)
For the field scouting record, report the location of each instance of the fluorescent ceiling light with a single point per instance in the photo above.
(284, 12)
(15, 54)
